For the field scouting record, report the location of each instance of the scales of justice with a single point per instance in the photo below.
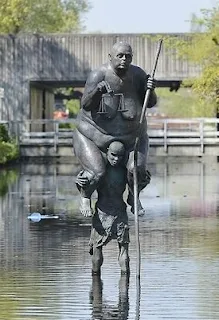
(110, 95)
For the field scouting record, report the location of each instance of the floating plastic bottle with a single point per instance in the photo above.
(37, 217)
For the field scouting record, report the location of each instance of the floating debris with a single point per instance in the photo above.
(37, 217)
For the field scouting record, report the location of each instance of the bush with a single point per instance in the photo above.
(4, 136)
(8, 151)
(73, 106)
(6, 178)
(8, 148)
(67, 126)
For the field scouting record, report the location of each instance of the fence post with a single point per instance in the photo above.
(18, 135)
(18, 132)
(201, 132)
(165, 135)
(56, 136)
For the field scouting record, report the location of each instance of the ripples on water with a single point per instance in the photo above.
(46, 269)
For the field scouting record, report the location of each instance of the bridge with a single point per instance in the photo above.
(32, 65)
(168, 137)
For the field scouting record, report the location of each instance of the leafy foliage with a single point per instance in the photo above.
(41, 15)
(202, 49)
(4, 136)
(183, 104)
(8, 148)
(7, 177)
(73, 106)
(8, 151)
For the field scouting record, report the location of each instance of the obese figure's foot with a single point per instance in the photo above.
(141, 210)
(85, 207)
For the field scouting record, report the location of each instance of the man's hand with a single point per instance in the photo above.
(151, 83)
(104, 87)
(82, 180)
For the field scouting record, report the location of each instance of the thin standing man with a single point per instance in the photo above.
(110, 219)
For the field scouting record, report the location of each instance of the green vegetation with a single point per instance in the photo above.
(7, 177)
(8, 148)
(204, 51)
(201, 48)
(183, 104)
(42, 15)
(72, 105)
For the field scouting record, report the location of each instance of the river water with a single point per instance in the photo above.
(45, 267)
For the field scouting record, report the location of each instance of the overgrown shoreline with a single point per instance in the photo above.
(9, 150)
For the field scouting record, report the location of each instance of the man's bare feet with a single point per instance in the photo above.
(85, 207)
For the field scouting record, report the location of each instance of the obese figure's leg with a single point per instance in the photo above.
(93, 164)
(143, 173)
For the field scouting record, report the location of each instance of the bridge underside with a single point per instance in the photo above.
(43, 100)
(42, 97)
(51, 84)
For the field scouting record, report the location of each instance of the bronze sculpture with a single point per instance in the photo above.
(109, 118)
(120, 87)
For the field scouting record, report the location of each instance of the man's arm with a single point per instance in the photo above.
(146, 82)
(94, 88)
(150, 84)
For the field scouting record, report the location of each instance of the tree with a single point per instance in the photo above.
(202, 48)
(42, 15)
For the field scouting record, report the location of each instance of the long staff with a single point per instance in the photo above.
(135, 175)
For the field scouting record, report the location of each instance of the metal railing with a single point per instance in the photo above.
(194, 131)
(162, 132)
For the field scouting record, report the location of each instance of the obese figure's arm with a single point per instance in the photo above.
(145, 82)
(150, 84)
(93, 90)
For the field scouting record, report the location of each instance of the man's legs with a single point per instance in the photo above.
(97, 260)
(93, 164)
(124, 258)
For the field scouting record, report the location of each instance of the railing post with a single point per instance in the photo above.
(17, 134)
(56, 136)
(10, 128)
(165, 135)
(201, 132)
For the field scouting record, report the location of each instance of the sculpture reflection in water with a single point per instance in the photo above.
(104, 141)
(100, 308)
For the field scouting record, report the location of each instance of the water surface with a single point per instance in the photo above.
(45, 267)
